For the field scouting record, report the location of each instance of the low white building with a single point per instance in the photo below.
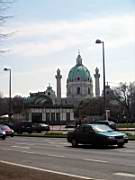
(39, 107)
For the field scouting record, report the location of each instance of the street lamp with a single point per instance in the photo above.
(98, 41)
(9, 112)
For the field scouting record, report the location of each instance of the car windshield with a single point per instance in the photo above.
(101, 128)
(5, 127)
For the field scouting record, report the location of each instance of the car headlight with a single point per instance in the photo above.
(3, 132)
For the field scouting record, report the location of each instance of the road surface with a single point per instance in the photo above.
(56, 154)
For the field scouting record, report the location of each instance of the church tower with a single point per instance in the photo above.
(58, 80)
(79, 82)
(97, 84)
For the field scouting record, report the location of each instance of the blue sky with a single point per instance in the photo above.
(47, 36)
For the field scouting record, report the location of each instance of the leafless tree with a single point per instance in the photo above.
(125, 95)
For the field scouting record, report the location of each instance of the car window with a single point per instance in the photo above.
(101, 128)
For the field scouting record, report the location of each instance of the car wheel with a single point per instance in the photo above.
(74, 143)
(120, 145)
(3, 137)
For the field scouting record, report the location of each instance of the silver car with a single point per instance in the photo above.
(2, 134)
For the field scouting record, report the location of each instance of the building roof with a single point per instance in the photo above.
(38, 99)
(79, 72)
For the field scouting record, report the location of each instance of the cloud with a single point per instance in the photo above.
(38, 39)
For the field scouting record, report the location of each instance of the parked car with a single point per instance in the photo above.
(22, 126)
(2, 134)
(39, 127)
(7, 129)
(96, 134)
(106, 122)
(29, 127)
(70, 125)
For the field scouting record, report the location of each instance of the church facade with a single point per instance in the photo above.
(52, 108)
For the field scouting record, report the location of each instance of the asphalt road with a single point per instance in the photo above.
(56, 154)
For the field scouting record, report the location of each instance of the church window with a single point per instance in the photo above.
(49, 93)
(78, 90)
(107, 92)
(88, 90)
(78, 78)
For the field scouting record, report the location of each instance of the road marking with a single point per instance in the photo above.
(25, 143)
(47, 170)
(96, 160)
(32, 152)
(124, 174)
(23, 147)
(51, 155)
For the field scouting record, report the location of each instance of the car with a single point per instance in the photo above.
(39, 127)
(70, 125)
(96, 134)
(2, 134)
(29, 127)
(7, 129)
(106, 122)
(22, 126)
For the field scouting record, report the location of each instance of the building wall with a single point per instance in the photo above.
(52, 112)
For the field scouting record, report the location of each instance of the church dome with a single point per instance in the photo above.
(79, 72)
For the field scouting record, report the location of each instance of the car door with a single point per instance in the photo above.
(85, 135)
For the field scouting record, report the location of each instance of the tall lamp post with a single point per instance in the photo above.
(9, 112)
(98, 41)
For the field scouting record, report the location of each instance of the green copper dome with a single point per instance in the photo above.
(79, 72)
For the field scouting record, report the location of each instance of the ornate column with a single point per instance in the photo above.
(58, 79)
(97, 84)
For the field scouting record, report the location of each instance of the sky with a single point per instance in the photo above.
(47, 34)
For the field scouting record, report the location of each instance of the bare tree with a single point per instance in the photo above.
(125, 95)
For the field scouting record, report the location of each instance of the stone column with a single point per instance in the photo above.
(97, 84)
(58, 79)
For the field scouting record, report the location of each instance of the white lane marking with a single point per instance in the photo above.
(25, 143)
(53, 155)
(22, 147)
(126, 151)
(32, 152)
(96, 160)
(124, 174)
(47, 170)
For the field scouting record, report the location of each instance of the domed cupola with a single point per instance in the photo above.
(79, 72)
(79, 81)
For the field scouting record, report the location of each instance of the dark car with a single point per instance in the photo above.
(29, 127)
(7, 129)
(106, 122)
(22, 126)
(2, 134)
(39, 127)
(96, 134)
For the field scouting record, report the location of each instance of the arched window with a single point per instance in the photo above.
(88, 90)
(78, 90)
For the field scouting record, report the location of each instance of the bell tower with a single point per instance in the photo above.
(97, 84)
(58, 80)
